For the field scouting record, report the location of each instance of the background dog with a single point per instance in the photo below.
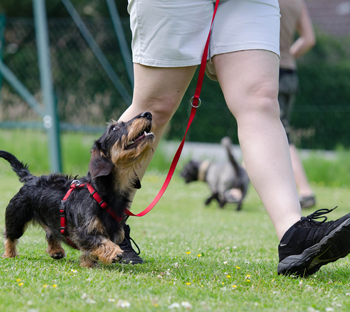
(221, 177)
(115, 156)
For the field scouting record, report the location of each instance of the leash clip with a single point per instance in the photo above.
(75, 183)
(199, 102)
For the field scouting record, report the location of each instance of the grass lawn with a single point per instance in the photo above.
(202, 258)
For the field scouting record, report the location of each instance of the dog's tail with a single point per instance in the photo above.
(17, 166)
(226, 142)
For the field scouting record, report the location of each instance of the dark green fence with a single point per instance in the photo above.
(86, 96)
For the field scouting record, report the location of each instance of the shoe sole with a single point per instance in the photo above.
(309, 262)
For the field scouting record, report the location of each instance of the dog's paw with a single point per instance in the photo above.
(118, 258)
(10, 255)
(58, 255)
(207, 202)
(108, 252)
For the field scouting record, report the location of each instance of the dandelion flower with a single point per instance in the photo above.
(228, 276)
(20, 284)
(45, 286)
(199, 255)
(248, 275)
(237, 267)
(188, 283)
(234, 286)
(18, 280)
(248, 280)
(54, 285)
(188, 252)
(156, 305)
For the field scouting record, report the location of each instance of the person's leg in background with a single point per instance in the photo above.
(288, 86)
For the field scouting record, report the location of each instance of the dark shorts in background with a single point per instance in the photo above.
(288, 88)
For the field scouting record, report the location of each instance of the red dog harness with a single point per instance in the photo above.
(77, 184)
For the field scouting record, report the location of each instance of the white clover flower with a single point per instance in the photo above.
(174, 305)
(186, 305)
(89, 300)
(123, 304)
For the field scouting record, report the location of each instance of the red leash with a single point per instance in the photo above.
(195, 103)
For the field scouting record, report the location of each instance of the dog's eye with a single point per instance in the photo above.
(115, 128)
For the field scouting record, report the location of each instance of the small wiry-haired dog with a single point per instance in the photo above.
(115, 156)
(221, 177)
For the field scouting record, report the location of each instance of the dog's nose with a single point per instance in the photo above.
(146, 115)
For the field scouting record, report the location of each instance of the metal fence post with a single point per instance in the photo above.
(2, 42)
(118, 28)
(50, 119)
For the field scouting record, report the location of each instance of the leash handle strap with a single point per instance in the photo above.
(193, 113)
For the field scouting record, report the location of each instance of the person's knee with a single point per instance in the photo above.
(162, 108)
(264, 100)
(259, 101)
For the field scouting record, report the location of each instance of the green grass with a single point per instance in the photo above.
(179, 224)
(232, 261)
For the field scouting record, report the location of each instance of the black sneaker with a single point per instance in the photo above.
(130, 256)
(307, 201)
(309, 244)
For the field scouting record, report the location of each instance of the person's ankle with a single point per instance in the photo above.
(282, 228)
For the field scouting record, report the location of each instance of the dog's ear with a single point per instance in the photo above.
(137, 183)
(99, 164)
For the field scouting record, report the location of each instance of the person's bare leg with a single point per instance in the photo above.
(301, 179)
(249, 80)
(158, 90)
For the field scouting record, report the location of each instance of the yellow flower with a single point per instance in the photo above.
(45, 286)
(237, 267)
(223, 283)
(202, 286)
(248, 280)
(20, 284)
(248, 275)
(156, 305)
(188, 283)
(228, 276)
(234, 286)
(54, 285)
(18, 280)
(199, 255)
(188, 252)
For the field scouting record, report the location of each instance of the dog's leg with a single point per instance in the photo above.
(209, 199)
(95, 242)
(54, 248)
(10, 248)
(87, 261)
(17, 217)
(107, 252)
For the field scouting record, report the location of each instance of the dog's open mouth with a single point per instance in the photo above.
(144, 134)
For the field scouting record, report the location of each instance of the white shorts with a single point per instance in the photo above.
(172, 33)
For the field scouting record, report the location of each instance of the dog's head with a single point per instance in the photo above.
(190, 172)
(123, 147)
